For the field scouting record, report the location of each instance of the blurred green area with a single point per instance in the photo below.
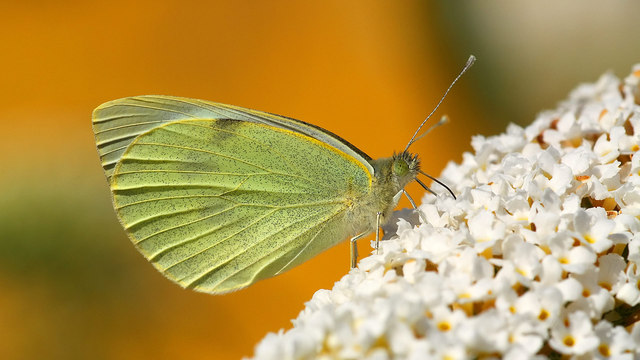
(75, 288)
(63, 274)
(531, 54)
(54, 233)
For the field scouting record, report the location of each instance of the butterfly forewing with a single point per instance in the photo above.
(217, 204)
(117, 123)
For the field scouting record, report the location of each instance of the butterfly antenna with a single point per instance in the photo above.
(470, 62)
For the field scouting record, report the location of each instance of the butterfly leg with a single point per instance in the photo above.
(378, 215)
(413, 204)
(354, 249)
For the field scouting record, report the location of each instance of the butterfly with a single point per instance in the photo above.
(218, 197)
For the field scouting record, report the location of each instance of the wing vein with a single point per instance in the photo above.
(156, 216)
(164, 198)
(323, 223)
(188, 148)
(127, 126)
(186, 172)
(195, 102)
(114, 150)
(114, 139)
(103, 119)
(141, 99)
(186, 224)
(222, 240)
(210, 216)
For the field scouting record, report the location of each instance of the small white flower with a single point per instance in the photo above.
(525, 338)
(634, 171)
(484, 199)
(542, 306)
(631, 199)
(574, 259)
(611, 275)
(594, 228)
(630, 291)
(486, 332)
(615, 342)
(635, 335)
(517, 210)
(634, 249)
(452, 351)
(516, 167)
(570, 288)
(626, 144)
(579, 159)
(468, 275)
(525, 258)
(485, 230)
(561, 178)
(546, 223)
(575, 338)
(433, 290)
(446, 320)
(441, 245)
(413, 269)
(608, 172)
(595, 299)
(551, 271)
(605, 150)
(553, 137)
(434, 217)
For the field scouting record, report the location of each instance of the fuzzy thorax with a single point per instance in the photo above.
(392, 174)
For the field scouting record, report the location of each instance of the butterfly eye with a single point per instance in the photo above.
(400, 167)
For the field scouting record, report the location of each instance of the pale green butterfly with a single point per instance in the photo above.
(218, 197)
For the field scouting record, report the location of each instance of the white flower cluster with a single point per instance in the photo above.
(539, 257)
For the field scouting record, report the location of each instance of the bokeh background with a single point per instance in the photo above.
(71, 284)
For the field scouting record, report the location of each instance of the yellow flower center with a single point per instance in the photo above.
(569, 340)
(605, 285)
(603, 349)
(544, 315)
(444, 326)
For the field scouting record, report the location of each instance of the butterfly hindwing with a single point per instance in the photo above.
(217, 204)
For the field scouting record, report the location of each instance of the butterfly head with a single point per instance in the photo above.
(406, 167)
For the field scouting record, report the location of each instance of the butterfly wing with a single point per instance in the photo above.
(217, 204)
(117, 123)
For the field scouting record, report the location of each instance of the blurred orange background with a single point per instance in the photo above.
(72, 284)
